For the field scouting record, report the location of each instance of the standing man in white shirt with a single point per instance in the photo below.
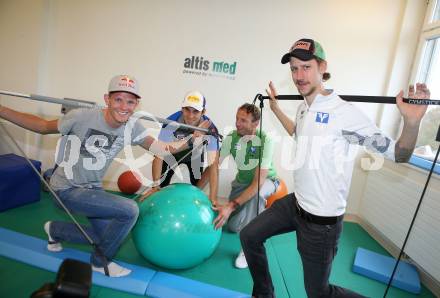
(324, 128)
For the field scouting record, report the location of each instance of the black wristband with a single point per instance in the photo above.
(235, 204)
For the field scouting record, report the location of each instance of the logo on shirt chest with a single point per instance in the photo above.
(322, 117)
(95, 141)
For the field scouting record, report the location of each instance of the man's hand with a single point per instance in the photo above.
(159, 148)
(285, 120)
(272, 92)
(413, 114)
(224, 211)
(204, 124)
(148, 193)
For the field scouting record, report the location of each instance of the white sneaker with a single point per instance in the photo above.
(114, 270)
(240, 261)
(52, 245)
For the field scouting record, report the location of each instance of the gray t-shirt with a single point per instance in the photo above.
(88, 146)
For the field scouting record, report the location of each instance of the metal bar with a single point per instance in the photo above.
(15, 94)
(88, 104)
(68, 102)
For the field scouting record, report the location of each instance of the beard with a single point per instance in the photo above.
(310, 92)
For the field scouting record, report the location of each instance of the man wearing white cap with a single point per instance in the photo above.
(93, 137)
(192, 113)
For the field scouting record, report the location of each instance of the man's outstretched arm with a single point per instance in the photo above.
(412, 116)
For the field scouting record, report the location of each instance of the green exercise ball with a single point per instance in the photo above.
(174, 229)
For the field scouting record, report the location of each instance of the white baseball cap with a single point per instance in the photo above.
(194, 99)
(124, 83)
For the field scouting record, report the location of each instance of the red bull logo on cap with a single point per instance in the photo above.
(124, 83)
(127, 82)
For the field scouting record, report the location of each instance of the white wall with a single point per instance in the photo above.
(72, 48)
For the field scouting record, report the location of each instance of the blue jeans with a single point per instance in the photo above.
(111, 218)
(317, 245)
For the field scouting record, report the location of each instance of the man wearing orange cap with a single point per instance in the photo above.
(316, 209)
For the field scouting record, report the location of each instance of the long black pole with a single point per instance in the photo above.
(363, 98)
(260, 98)
(415, 215)
(259, 156)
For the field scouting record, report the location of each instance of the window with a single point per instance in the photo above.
(428, 71)
(430, 74)
(436, 14)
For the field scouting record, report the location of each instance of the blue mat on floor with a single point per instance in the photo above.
(142, 281)
(380, 267)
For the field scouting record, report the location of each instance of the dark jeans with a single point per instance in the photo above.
(165, 181)
(317, 245)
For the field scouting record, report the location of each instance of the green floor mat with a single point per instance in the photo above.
(284, 260)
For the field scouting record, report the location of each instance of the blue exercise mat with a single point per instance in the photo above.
(171, 286)
(380, 267)
(142, 281)
(33, 251)
(19, 184)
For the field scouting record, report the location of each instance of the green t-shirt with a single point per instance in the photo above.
(246, 153)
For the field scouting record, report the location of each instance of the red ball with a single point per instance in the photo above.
(129, 182)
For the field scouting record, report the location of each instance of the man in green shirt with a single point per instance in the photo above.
(245, 145)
